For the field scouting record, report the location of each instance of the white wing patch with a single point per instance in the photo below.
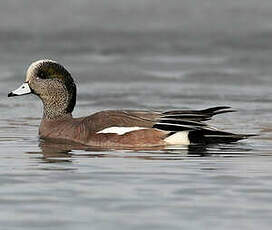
(179, 138)
(120, 130)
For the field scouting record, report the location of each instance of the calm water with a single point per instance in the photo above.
(125, 64)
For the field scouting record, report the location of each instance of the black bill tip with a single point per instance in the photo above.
(11, 94)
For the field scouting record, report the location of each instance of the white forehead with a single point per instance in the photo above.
(35, 65)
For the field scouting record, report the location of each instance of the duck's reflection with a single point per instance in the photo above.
(56, 151)
(53, 152)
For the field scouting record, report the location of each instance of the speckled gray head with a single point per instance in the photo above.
(53, 84)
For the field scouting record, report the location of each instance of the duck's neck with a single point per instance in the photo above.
(55, 108)
(56, 116)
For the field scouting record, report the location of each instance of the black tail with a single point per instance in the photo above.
(181, 120)
(209, 136)
(194, 121)
(196, 115)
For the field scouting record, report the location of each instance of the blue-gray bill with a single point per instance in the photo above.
(22, 90)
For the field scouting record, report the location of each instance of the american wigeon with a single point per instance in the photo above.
(53, 84)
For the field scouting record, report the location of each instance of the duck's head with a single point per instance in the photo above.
(53, 84)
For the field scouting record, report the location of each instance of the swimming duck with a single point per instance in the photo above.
(54, 85)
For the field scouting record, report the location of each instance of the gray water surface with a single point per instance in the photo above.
(139, 55)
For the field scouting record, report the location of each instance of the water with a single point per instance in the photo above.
(139, 55)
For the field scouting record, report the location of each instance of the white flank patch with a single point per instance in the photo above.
(120, 130)
(179, 138)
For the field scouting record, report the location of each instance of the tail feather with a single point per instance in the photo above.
(187, 117)
(175, 127)
(180, 123)
(213, 136)
(209, 111)
(197, 115)
(214, 109)
(181, 120)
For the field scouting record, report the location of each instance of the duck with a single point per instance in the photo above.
(55, 86)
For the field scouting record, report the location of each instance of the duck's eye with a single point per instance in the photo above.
(41, 75)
